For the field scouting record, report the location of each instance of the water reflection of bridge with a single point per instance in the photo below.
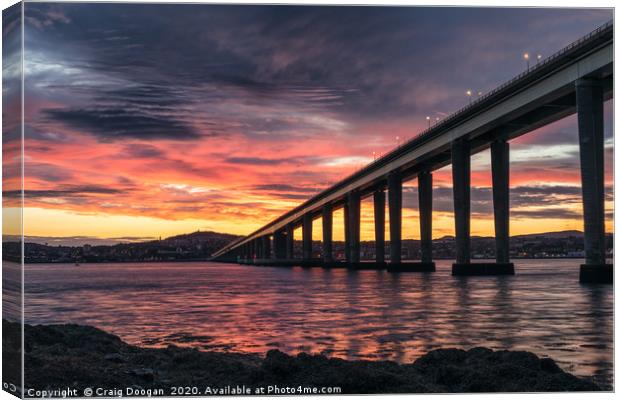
(579, 78)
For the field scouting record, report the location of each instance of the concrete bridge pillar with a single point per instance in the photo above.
(379, 209)
(500, 168)
(461, 192)
(307, 237)
(461, 170)
(247, 250)
(425, 201)
(353, 200)
(347, 233)
(290, 241)
(327, 219)
(279, 244)
(257, 249)
(266, 247)
(395, 201)
(589, 94)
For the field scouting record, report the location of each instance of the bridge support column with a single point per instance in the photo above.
(379, 209)
(266, 247)
(461, 167)
(279, 245)
(307, 237)
(395, 201)
(290, 242)
(353, 201)
(425, 201)
(461, 172)
(347, 233)
(327, 219)
(247, 252)
(500, 169)
(257, 249)
(591, 152)
(250, 251)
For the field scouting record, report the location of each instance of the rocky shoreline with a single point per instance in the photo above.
(81, 357)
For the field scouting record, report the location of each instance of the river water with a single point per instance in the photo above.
(372, 315)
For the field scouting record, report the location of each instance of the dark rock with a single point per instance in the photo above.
(114, 357)
(548, 365)
(80, 357)
(279, 363)
(143, 373)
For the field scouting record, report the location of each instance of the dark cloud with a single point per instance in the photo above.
(256, 161)
(152, 95)
(292, 196)
(549, 213)
(560, 197)
(169, 62)
(82, 240)
(283, 188)
(119, 124)
(64, 192)
(143, 151)
(47, 172)
(544, 195)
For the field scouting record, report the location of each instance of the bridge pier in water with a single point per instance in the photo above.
(279, 245)
(425, 204)
(256, 250)
(395, 203)
(327, 220)
(347, 234)
(379, 214)
(500, 171)
(353, 200)
(266, 243)
(249, 248)
(461, 189)
(290, 241)
(589, 98)
(307, 237)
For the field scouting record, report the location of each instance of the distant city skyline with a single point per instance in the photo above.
(166, 119)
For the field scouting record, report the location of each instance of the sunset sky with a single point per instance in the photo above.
(153, 120)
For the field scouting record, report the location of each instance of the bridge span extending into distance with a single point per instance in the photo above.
(577, 79)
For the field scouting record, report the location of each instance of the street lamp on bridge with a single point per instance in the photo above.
(526, 57)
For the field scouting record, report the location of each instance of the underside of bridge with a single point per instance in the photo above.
(580, 83)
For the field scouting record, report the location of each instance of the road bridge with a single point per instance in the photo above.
(577, 79)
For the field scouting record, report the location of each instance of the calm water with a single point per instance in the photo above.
(353, 315)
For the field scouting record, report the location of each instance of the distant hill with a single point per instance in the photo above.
(545, 235)
(202, 236)
(201, 245)
(186, 247)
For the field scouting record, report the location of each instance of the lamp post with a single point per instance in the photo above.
(538, 58)
(469, 95)
(526, 57)
(428, 119)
